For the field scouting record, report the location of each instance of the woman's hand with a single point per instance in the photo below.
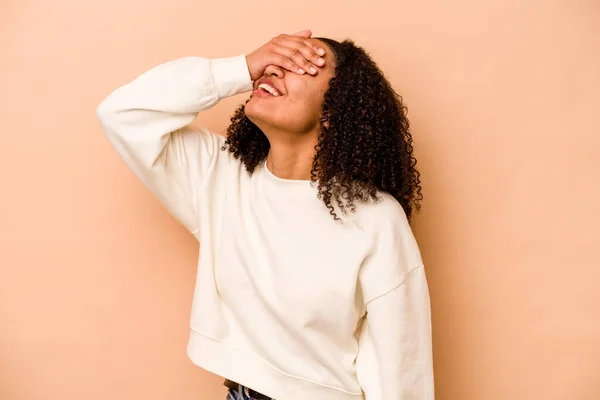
(295, 53)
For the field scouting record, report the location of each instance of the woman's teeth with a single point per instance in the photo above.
(268, 89)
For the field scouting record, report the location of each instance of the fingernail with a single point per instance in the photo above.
(321, 52)
(301, 71)
(313, 70)
(321, 61)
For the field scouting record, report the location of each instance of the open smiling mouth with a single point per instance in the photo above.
(265, 89)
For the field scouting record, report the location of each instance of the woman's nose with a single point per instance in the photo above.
(273, 70)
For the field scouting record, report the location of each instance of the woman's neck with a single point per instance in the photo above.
(291, 161)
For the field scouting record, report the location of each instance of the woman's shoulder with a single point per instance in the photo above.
(382, 214)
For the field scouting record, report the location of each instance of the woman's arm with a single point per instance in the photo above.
(395, 355)
(147, 122)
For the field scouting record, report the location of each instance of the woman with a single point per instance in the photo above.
(310, 284)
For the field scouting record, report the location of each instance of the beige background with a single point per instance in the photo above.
(96, 278)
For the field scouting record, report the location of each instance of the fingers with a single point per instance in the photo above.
(300, 52)
(286, 63)
(306, 33)
(303, 56)
(311, 43)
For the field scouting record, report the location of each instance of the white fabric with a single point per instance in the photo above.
(287, 301)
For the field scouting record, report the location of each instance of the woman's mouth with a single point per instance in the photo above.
(266, 90)
(262, 92)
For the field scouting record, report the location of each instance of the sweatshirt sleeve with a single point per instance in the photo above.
(147, 122)
(395, 355)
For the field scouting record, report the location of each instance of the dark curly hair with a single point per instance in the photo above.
(364, 144)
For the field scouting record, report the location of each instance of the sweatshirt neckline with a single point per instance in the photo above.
(295, 187)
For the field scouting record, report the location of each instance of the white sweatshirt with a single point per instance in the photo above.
(287, 301)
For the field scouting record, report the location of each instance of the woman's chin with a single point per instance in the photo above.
(255, 111)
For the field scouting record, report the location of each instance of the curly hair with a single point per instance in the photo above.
(364, 144)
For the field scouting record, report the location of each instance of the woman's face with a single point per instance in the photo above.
(297, 106)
